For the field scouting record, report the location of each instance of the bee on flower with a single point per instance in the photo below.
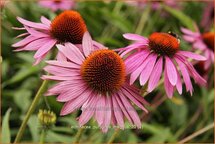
(159, 53)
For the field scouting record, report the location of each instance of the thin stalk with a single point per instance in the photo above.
(41, 90)
(42, 136)
(199, 132)
(78, 135)
(116, 132)
(142, 21)
(47, 104)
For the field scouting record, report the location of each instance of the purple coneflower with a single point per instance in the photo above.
(208, 15)
(42, 37)
(94, 80)
(57, 4)
(204, 42)
(160, 52)
(155, 4)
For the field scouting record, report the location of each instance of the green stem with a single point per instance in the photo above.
(199, 132)
(42, 136)
(116, 132)
(142, 21)
(41, 90)
(78, 135)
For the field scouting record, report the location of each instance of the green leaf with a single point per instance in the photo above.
(183, 18)
(159, 133)
(21, 74)
(211, 96)
(5, 68)
(55, 137)
(34, 127)
(22, 99)
(179, 111)
(6, 127)
(117, 20)
(160, 137)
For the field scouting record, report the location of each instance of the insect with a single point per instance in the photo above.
(175, 35)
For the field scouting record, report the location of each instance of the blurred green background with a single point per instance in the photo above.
(168, 120)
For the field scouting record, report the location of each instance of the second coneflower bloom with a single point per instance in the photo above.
(203, 42)
(42, 37)
(55, 5)
(95, 81)
(160, 52)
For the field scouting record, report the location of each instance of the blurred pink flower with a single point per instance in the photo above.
(155, 4)
(42, 37)
(160, 52)
(203, 42)
(3, 3)
(208, 15)
(57, 4)
(94, 80)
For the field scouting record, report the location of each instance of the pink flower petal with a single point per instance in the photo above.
(136, 93)
(62, 87)
(87, 44)
(155, 75)
(185, 75)
(100, 116)
(60, 56)
(189, 38)
(45, 48)
(135, 37)
(36, 33)
(21, 35)
(63, 64)
(107, 112)
(134, 61)
(171, 71)
(136, 73)
(198, 79)
(132, 112)
(124, 110)
(61, 71)
(192, 55)
(199, 45)
(45, 21)
(133, 99)
(32, 24)
(168, 85)
(73, 93)
(72, 53)
(36, 44)
(39, 59)
(179, 83)
(89, 111)
(189, 32)
(98, 45)
(132, 47)
(18, 28)
(25, 41)
(118, 113)
(74, 104)
(60, 78)
(146, 72)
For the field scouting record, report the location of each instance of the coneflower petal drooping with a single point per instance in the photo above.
(94, 80)
(42, 37)
(203, 42)
(160, 52)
